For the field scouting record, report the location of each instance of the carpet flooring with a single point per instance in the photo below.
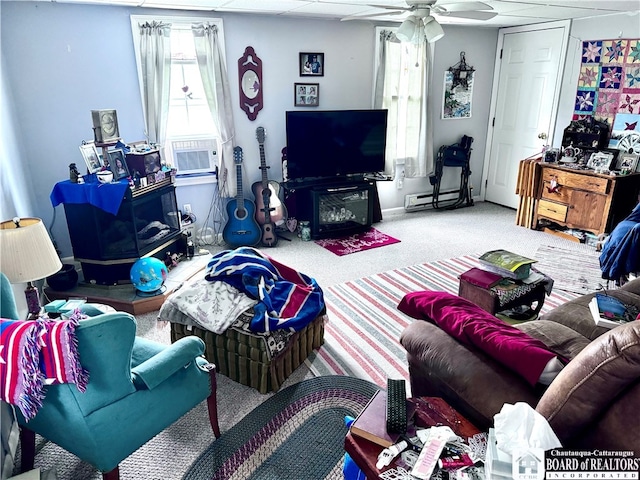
(296, 434)
(361, 336)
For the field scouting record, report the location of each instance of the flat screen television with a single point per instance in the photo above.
(335, 143)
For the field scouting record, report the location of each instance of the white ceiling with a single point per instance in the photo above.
(510, 12)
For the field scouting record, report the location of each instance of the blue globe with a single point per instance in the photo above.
(148, 274)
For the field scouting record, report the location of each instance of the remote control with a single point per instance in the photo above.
(396, 406)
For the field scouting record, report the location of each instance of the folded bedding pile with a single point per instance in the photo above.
(271, 295)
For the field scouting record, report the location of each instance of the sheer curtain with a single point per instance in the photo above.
(155, 63)
(216, 86)
(401, 86)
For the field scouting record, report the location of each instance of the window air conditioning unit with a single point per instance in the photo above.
(195, 155)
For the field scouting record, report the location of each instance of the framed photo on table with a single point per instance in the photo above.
(91, 158)
(311, 64)
(600, 161)
(118, 164)
(306, 94)
(627, 162)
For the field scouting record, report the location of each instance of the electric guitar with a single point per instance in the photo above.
(241, 228)
(269, 209)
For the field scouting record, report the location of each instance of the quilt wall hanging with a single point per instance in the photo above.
(609, 85)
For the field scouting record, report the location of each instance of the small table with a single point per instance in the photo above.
(430, 411)
(499, 298)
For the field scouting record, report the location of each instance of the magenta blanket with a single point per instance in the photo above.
(471, 325)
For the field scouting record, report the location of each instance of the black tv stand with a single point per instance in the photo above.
(334, 208)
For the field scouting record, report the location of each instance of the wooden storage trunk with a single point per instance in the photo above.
(245, 357)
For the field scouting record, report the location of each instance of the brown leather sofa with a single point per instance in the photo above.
(594, 401)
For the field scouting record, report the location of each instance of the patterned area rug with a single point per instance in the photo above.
(361, 336)
(297, 434)
(575, 271)
(357, 243)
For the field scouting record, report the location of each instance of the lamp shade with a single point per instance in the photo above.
(407, 30)
(26, 250)
(432, 29)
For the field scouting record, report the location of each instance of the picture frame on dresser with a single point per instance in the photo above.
(91, 157)
(600, 161)
(118, 164)
(628, 162)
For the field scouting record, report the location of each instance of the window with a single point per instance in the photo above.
(189, 114)
(192, 137)
(401, 86)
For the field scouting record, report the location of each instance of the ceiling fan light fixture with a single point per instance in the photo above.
(432, 29)
(407, 30)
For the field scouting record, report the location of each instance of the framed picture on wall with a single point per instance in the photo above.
(311, 64)
(306, 94)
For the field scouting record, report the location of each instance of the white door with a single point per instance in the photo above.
(524, 104)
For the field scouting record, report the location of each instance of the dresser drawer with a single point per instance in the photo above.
(575, 180)
(555, 211)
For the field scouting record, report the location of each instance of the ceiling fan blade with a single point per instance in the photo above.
(463, 7)
(470, 15)
(373, 15)
(387, 7)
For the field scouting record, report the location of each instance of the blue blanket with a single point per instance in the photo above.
(286, 298)
(621, 252)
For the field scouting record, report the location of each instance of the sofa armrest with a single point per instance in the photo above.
(594, 380)
(152, 372)
(468, 379)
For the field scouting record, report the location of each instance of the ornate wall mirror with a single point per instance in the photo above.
(250, 78)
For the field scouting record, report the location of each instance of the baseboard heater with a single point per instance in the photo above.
(422, 201)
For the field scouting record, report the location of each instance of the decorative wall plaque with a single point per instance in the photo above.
(250, 78)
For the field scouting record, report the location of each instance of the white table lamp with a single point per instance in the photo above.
(27, 254)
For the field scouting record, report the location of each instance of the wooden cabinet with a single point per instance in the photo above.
(583, 199)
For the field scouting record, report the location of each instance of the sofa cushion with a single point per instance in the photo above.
(558, 338)
(469, 324)
(592, 381)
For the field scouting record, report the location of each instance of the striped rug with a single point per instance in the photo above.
(361, 336)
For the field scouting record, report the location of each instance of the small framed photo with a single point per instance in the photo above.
(91, 157)
(600, 161)
(118, 164)
(628, 162)
(311, 64)
(306, 94)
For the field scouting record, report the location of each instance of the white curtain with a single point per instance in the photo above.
(155, 56)
(216, 86)
(402, 87)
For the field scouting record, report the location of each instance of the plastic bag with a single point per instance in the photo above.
(520, 427)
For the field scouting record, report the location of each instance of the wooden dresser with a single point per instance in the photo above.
(583, 199)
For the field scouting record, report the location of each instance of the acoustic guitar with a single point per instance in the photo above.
(270, 211)
(241, 228)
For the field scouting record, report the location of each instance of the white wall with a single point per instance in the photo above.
(63, 60)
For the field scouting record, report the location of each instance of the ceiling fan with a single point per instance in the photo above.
(425, 8)
(421, 23)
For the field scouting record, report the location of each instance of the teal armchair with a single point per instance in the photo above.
(136, 389)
